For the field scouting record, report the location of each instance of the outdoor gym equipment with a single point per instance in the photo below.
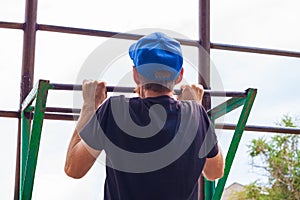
(33, 116)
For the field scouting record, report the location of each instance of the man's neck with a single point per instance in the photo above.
(150, 93)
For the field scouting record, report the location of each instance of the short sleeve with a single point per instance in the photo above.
(213, 152)
(92, 133)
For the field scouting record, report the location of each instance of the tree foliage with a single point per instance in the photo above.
(280, 160)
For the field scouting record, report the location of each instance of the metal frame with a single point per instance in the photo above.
(31, 135)
(30, 27)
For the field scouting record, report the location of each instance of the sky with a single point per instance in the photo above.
(60, 57)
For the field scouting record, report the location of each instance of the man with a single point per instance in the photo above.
(156, 146)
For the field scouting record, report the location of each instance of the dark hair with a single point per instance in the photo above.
(156, 87)
(161, 86)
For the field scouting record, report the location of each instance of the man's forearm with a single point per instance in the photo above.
(72, 153)
(87, 111)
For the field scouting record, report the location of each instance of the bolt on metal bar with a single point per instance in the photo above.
(59, 86)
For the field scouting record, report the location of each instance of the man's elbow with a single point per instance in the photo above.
(216, 175)
(72, 172)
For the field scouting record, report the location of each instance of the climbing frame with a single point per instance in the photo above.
(34, 111)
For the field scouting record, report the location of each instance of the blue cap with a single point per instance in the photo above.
(157, 52)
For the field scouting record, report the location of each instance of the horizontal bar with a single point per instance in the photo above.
(62, 110)
(57, 86)
(10, 114)
(51, 116)
(196, 43)
(11, 25)
(256, 128)
(247, 49)
(100, 33)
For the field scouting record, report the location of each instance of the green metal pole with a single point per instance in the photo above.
(39, 111)
(209, 186)
(235, 142)
(209, 189)
(226, 107)
(26, 122)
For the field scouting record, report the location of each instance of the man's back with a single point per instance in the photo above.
(145, 164)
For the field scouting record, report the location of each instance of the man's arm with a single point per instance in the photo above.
(80, 157)
(214, 167)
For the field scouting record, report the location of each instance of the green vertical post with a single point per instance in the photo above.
(209, 186)
(209, 189)
(26, 122)
(235, 142)
(34, 141)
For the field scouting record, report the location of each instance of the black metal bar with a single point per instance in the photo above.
(27, 74)
(11, 25)
(62, 110)
(58, 86)
(256, 128)
(101, 33)
(18, 162)
(276, 52)
(10, 114)
(204, 66)
(52, 116)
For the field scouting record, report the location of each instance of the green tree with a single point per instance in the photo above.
(279, 157)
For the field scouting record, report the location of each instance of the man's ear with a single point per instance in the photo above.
(179, 78)
(135, 75)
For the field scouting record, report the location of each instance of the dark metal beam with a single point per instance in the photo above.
(256, 128)
(205, 43)
(71, 115)
(11, 25)
(204, 65)
(246, 49)
(10, 114)
(101, 33)
(27, 74)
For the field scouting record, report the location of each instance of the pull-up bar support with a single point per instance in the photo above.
(31, 134)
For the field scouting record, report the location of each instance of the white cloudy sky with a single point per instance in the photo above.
(59, 57)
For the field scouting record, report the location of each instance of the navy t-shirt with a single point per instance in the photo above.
(155, 147)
